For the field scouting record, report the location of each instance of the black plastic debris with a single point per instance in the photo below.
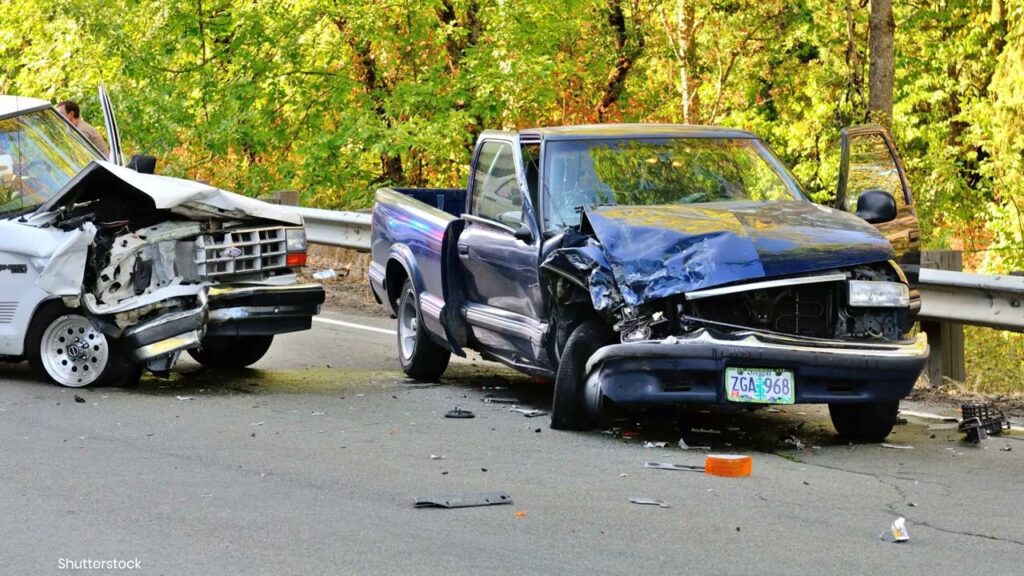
(464, 500)
(981, 420)
(79, 399)
(459, 413)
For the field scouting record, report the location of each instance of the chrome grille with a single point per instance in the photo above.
(238, 252)
(7, 310)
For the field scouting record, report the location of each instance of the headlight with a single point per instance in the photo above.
(295, 239)
(872, 294)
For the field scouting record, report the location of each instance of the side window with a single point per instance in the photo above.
(496, 192)
(872, 167)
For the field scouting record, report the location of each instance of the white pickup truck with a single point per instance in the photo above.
(106, 271)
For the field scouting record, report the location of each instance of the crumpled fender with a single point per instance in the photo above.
(58, 255)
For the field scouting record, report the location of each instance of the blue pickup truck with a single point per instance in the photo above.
(661, 265)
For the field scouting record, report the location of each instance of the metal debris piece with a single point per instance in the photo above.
(459, 413)
(897, 532)
(897, 446)
(650, 502)
(464, 500)
(185, 397)
(436, 457)
(681, 467)
(655, 444)
(684, 446)
(528, 412)
(501, 401)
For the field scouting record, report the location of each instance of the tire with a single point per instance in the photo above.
(567, 407)
(64, 347)
(869, 422)
(231, 352)
(421, 357)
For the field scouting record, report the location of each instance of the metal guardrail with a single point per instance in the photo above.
(975, 299)
(334, 228)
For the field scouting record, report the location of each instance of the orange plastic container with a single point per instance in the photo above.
(731, 465)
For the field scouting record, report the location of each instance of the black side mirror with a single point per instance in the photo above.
(143, 164)
(523, 233)
(876, 206)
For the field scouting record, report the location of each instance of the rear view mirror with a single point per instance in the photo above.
(143, 164)
(876, 206)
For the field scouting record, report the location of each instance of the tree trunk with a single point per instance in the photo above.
(882, 69)
(627, 49)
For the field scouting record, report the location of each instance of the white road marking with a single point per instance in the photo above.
(356, 326)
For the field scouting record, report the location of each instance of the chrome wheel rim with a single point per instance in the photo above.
(408, 326)
(73, 352)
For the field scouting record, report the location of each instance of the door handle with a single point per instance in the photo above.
(463, 251)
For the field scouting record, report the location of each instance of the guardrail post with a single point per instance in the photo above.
(945, 338)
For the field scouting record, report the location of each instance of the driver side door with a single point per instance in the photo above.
(869, 161)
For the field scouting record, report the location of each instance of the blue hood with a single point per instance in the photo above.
(650, 252)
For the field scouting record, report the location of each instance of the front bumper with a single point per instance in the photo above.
(242, 310)
(691, 370)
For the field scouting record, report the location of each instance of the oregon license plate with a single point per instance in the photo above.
(760, 385)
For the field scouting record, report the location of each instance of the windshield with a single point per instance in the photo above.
(39, 154)
(581, 173)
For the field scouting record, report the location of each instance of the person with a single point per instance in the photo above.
(73, 113)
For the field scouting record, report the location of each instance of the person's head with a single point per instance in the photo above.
(70, 110)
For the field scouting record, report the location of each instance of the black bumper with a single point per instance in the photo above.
(691, 370)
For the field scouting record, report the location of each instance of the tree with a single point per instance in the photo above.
(881, 72)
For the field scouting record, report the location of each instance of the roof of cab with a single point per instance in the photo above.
(590, 131)
(10, 105)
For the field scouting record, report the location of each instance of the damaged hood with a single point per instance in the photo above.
(183, 197)
(650, 252)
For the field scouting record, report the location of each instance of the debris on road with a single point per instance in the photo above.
(260, 423)
(79, 399)
(1006, 448)
(436, 457)
(325, 274)
(705, 431)
(521, 514)
(493, 400)
(464, 500)
(528, 412)
(318, 413)
(655, 444)
(684, 446)
(980, 421)
(896, 446)
(185, 397)
(651, 502)
(666, 466)
(791, 441)
(897, 532)
(728, 465)
(459, 413)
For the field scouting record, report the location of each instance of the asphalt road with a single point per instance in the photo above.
(309, 465)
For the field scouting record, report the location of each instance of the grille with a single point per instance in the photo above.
(807, 310)
(7, 310)
(237, 252)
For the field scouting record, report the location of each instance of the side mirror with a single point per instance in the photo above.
(523, 233)
(143, 164)
(876, 206)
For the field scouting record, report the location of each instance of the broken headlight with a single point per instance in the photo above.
(871, 294)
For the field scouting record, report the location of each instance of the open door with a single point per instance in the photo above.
(111, 125)
(869, 162)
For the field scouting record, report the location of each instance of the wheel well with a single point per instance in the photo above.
(40, 308)
(394, 278)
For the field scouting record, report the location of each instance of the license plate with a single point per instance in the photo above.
(760, 385)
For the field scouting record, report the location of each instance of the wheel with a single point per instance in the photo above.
(421, 357)
(231, 352)
(567, 407)
(66, 348)
(869, 422)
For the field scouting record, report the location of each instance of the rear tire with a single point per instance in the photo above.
(868, 422)
(66, 348)
(231, 352)
(568, 411)
(420, 356)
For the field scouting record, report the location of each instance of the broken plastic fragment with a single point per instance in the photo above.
(897, 532)
(684, 446)
(501, 401)
(325, 274)
(464, 500)
(529, 413)
(896, 446)
(436, 457)
(681, 467)
(185, 397)
(655, 444)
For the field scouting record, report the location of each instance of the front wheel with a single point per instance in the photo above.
(567, 408)
(421, 357)
(66, 348)
(868, 422)
(231, 352)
